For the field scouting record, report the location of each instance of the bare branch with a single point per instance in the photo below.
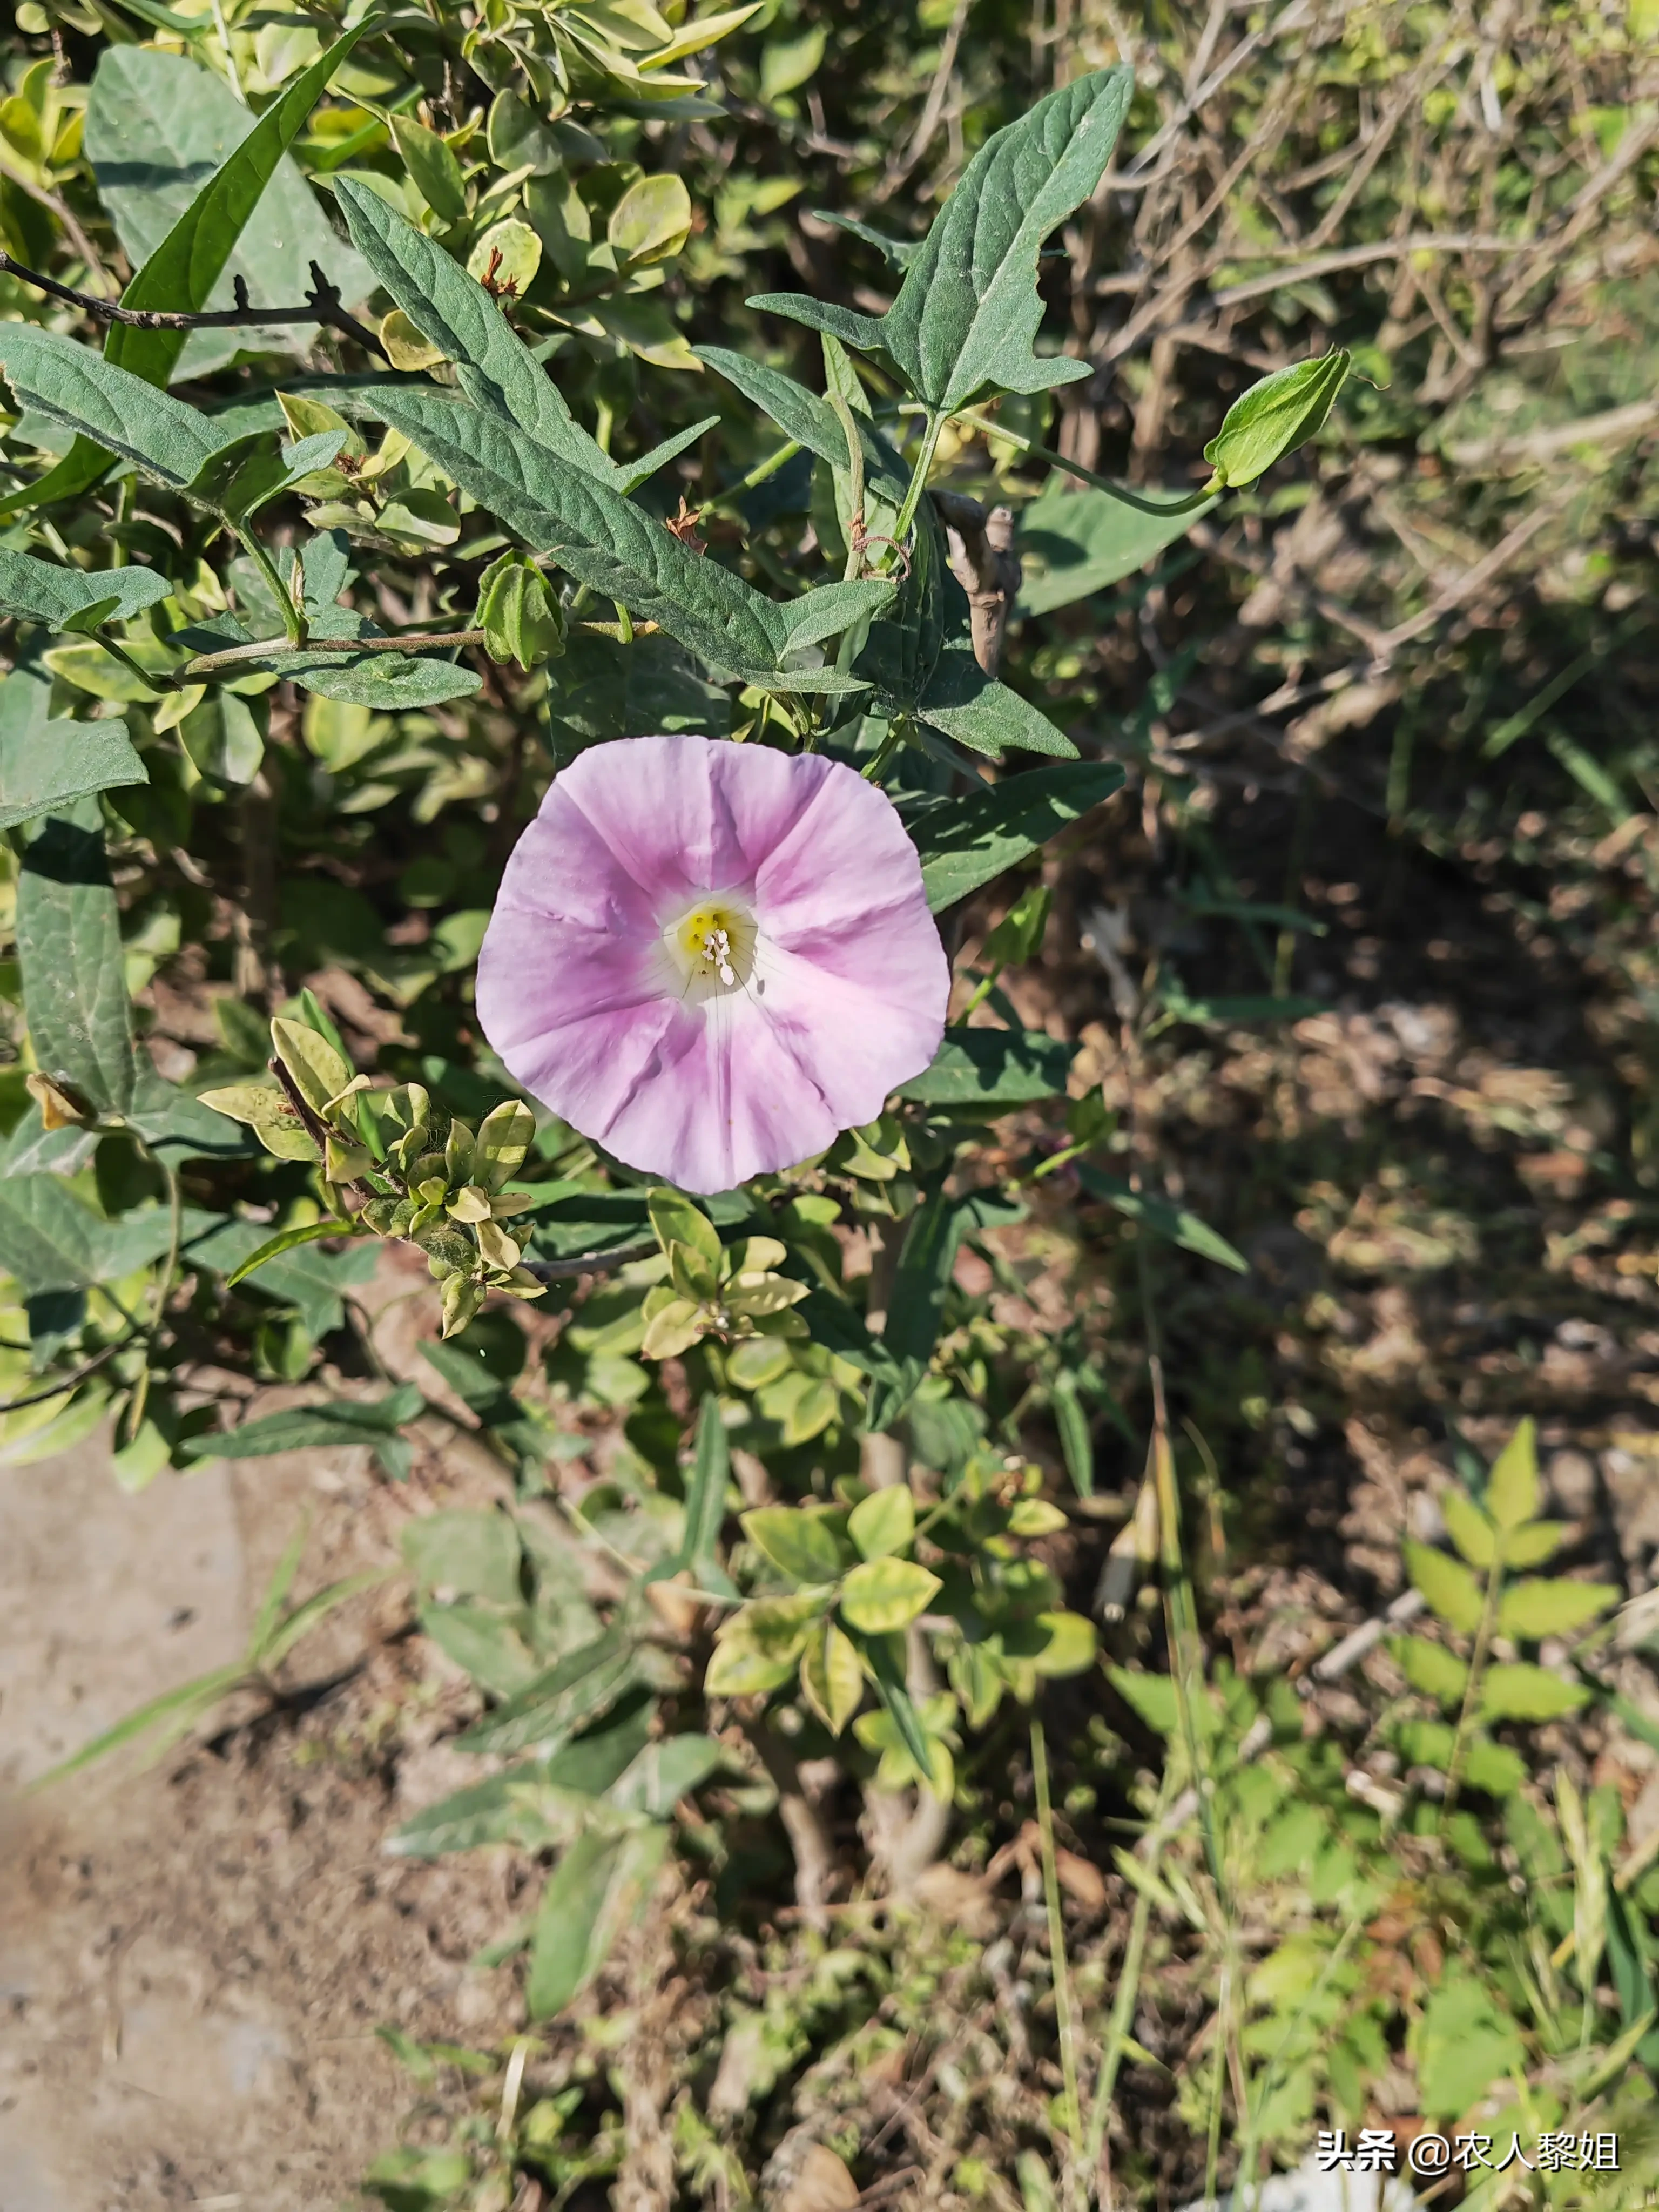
(323, 305)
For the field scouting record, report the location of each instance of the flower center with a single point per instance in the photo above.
(712, 947)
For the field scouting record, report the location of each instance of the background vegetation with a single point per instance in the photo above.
(1353, 978)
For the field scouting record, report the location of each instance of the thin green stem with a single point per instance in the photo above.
(1128, 1993)
(1028, 446)
(889, 745)
(1483, 1636)
(1217, 2082)
(1065, 2016)
(139, 1400)
(294, 621)
(725, 502)
(907, 513)
(61, 1385)
(236, 656)
(849, 430)
(987, 984)
(154, 679)
(231, 70)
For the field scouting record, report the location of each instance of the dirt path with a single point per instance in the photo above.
(194, 1958)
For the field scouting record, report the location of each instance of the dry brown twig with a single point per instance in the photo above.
(933, 110)
(323, 305)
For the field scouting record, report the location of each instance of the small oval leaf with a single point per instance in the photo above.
(882, 1595)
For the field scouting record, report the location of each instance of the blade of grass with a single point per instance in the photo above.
(1065, 2015)
(189, 1698)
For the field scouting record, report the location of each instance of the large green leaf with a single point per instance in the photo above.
(605, 541)
(494, 368)
(450, 309)
(312, 1282)
(499, 1810)
(597, 1761)
(664, 1771)
(343, 1421)
(985, 715)
(50, 1240)
(568, 1218)
(389, 682)
(547, 1712)
(607, 689)
(33, 1149)
(75, 599)
(602, 1881)
(172, 1120)
(68, 947)
(967, 313)
(1073, 542)
(801, 414)
(822, 613)
(833, 1322)
(45, 765)
(992, 1069)
(117, 411)
(154, 122)
(472, 1554)
(965, 842)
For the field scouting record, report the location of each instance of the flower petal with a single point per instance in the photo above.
(846, 857)
(860, 1016)
(565, 870)
(677, 817)
(726, 1100)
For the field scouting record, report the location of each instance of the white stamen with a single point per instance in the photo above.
(717, 949)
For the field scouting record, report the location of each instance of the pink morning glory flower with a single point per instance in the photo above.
(712, 958)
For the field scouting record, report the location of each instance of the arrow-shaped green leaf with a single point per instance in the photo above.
(968, 311)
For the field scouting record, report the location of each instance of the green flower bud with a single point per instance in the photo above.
(1273, 417)
(518, 613)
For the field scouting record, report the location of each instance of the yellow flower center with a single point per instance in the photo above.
(712, 948)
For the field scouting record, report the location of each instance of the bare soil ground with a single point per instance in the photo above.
(194, 1958)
